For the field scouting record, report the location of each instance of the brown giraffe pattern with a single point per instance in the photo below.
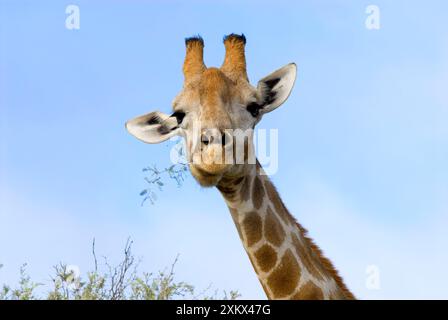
(288, 264)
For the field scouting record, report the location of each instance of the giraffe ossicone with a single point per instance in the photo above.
(213, 104)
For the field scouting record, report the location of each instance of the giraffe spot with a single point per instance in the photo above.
(252, 262)
(263, 284)
(309, 259)
(309, 291)
(253, 226)
(266, 257)
(285, 278)
(257, 193)
(245, 189)
(273, 230)
(279, 207)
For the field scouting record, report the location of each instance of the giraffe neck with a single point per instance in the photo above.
(288, 264)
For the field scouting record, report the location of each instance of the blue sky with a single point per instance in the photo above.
(363, 140)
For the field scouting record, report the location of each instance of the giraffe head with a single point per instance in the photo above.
(216, 110)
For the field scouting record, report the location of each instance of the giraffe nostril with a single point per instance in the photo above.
(206, 140)
(218, 137)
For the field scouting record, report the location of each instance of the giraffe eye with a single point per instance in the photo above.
(253, 108)
(179, 116)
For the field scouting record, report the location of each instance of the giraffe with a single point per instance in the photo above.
(213, 100)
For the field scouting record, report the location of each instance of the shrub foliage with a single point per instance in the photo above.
(109, 282)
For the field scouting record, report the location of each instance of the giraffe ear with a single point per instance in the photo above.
(275, 88)
(154, 127)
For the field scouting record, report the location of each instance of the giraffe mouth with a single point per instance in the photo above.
(205, 178)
